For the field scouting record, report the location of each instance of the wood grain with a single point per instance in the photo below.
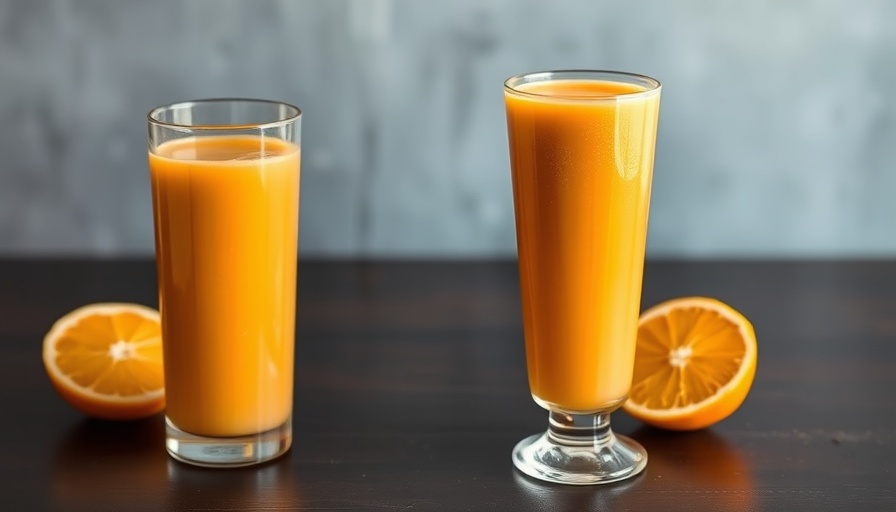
(411, 391)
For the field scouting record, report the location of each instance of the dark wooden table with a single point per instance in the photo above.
(411, 391)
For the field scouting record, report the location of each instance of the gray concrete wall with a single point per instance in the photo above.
(777, 132)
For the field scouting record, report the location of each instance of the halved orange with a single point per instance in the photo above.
(694, 364)
(106, 360)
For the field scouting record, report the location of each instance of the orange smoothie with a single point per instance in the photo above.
(226, 215)
(582, 159)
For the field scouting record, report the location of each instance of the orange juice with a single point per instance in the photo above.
(582, 159)
(226, 215)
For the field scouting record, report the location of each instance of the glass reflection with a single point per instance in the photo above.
(271, 485)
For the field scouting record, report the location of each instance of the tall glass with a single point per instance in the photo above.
(225, 193)
(581, 155)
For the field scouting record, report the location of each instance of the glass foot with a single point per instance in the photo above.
(579, 450)
(219, 452)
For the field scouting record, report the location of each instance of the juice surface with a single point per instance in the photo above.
(226, 211)
(582, 160)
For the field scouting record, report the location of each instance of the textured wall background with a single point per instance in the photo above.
(777, 132)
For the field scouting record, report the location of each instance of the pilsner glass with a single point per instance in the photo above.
(225, 191)
(581, 155)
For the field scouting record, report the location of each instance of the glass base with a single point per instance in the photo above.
(227, 452)
(579, 450)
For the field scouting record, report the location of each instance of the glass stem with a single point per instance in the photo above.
(579, 430)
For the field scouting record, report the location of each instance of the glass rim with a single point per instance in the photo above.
(652, 85)
(152, 115)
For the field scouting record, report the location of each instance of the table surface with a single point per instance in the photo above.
(411, 391)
